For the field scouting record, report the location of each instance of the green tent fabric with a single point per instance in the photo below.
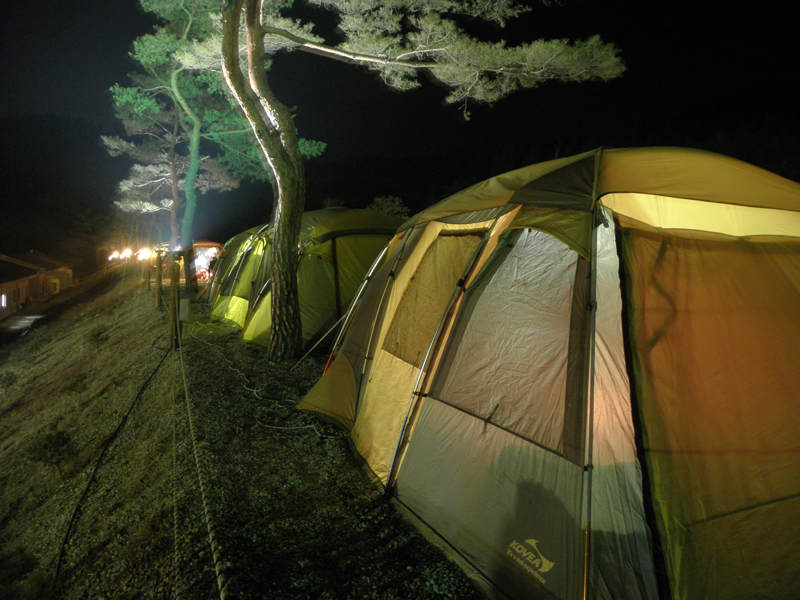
(224, 269)
(337, 248)
(582, 377)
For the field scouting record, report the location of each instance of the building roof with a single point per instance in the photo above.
(41, 260)
(11, 269)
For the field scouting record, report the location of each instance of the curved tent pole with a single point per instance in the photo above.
(239, 266)
(212, 282)
(236, 265)
(457, 292)
(215, 285)
(351, 309)
(380, 303)
(254, 278)
(243, 255)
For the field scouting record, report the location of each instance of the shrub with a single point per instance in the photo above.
(51, 448)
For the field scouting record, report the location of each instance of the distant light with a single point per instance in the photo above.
(143, 254)
(126, 253)
(202, 261)
(114, 255)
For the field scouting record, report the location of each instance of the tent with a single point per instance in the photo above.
(205, 253)
(337, 248)
(227, 259)
(234, 272)
(583, 378)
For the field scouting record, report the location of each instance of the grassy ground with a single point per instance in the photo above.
(115, 481)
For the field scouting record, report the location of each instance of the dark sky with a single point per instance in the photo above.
(709, 74)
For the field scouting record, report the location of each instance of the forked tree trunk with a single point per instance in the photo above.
(277, 136)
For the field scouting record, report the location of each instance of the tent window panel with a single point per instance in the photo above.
(508, 359)
(358, 338)
(355, 255)
(427, 296)
(714, 325)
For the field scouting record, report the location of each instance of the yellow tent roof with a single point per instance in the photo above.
(663, 187)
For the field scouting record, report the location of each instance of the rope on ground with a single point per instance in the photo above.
(252, 390)
(312, 426)
(225, 358)
(212, 537)
(175, 580)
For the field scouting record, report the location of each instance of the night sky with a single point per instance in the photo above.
(703, 74)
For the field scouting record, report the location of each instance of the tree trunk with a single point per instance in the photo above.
(176, 197)
(189, 193)
(286, 334)
(194, 161)
(187, 235)
(277, 136)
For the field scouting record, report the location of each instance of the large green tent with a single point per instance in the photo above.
(583, 377)
(337, 248)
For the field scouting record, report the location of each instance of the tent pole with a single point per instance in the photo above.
(213, 279)
(598, 219)
(261, 236)
(319, 341)
(251, 298)
(239, 266)
(458, 291)
(249, 246)
(336, 291)
(587, 545)
(351, 309)
(367, 357)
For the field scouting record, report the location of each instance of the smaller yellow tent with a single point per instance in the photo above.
(226, 260)
(337, 248)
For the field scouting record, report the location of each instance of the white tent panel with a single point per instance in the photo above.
(623, 565)
(511, 360)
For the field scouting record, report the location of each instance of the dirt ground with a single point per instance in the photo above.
(115, 483)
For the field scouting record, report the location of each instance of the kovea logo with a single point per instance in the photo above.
(527, 555)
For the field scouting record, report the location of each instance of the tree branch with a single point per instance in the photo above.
(344, 55)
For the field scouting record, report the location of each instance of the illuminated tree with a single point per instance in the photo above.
(154, 182)
(196, 102)
(390, 205)
(398, 39)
